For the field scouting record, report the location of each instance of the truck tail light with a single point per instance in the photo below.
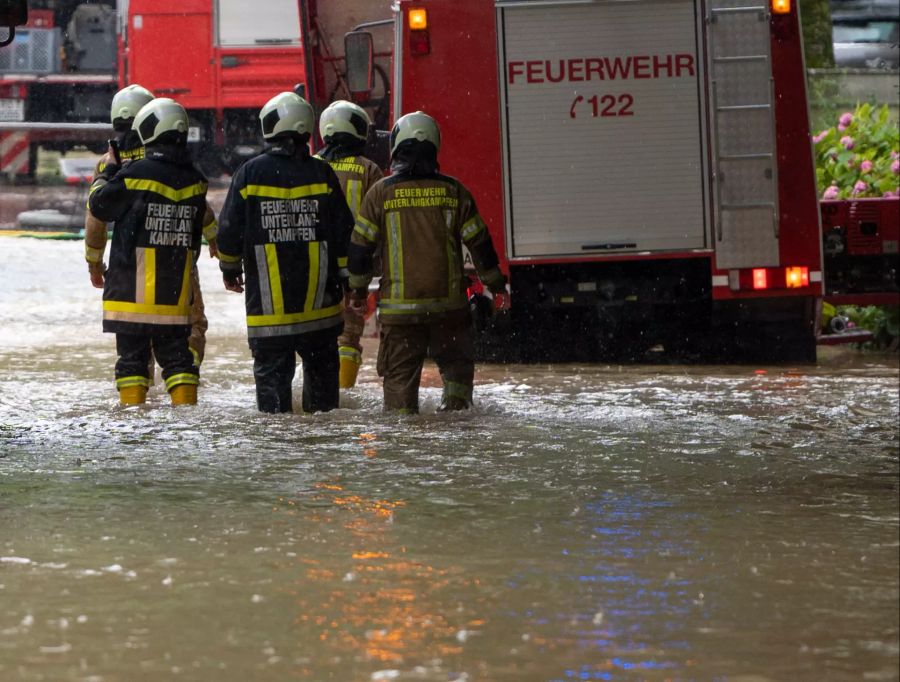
(760, 278)
(781, 6)
(419, 39)
(795, 278)
(418, 19)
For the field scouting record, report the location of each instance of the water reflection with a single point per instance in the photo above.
(583, 522)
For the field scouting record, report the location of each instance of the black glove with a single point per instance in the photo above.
(109, 172)
(234, 280)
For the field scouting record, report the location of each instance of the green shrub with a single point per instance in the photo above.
(859, 156)
(882, 321)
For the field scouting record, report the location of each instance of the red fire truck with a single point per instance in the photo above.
(645, 168)
(222, 59)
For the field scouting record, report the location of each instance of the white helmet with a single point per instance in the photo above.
(415, 126)
(286, 112)
(161, 115)
(127, 102)
(342, 116)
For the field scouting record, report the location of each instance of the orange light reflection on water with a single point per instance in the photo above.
(376, 601)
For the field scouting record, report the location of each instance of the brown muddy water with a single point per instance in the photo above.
(581, 523)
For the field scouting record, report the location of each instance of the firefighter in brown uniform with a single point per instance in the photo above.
(284, 228)
(157, 204)
(416, 220)
(344, 127)
(125, 105)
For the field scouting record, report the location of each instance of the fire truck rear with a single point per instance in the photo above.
(645, 168)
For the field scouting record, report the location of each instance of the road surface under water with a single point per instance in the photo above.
(581, 523)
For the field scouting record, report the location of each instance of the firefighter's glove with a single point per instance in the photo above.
(494, 280)
(109, 171)
(97, 270)
(234, 280)
(359, 302)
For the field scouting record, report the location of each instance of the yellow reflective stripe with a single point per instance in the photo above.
(453, 264)
(350, 353)
(388, 306)
(210, 230)
(354, 196)
(93, 255)
(395, 255)
(274, 279)
(184, 299)
(454, 389)
(472, 228)
(285, 192)
(366, 228)
(342, 261)
(124, 382)
(96, 184)
(146, 309)
(149, 277)
(144, 185)
(227, 258)
(312, 285)
(292, 318)
(183, 378)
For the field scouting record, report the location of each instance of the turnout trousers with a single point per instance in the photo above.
(172, 353)
(448, 340)
(354, 324)
(199, 325)
(274, 364)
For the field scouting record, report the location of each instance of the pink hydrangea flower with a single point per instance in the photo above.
(895, 155)
(821, 136)
(847, 142)
(860, 187)
(889, 194)
(841, 127)
(895, 166)
(831, 192)
(865, 166)
(846, 119)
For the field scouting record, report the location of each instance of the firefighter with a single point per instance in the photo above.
(416, 221)
(284, 229)
(344, 127)
(157, 204)
(125, 105)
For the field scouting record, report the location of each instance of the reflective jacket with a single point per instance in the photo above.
(416, 224)
(286, 224)
(157, 204)
(130, 149)
(356, 174)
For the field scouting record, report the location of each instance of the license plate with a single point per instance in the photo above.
(194, 134)
(12, 110)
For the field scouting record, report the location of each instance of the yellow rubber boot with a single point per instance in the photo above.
(351, 359)
(184, 394)
(132, 395)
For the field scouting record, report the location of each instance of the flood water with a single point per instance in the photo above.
(582, 523)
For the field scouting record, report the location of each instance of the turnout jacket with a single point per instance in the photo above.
(416, 224)
(286, 225)
(356, 174)
(157, 204)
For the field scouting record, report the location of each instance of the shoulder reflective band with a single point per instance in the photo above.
(285, 192)
(143, 185)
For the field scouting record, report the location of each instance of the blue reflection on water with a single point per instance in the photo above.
(629, 618)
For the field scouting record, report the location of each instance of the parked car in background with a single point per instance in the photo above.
(866, 35)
